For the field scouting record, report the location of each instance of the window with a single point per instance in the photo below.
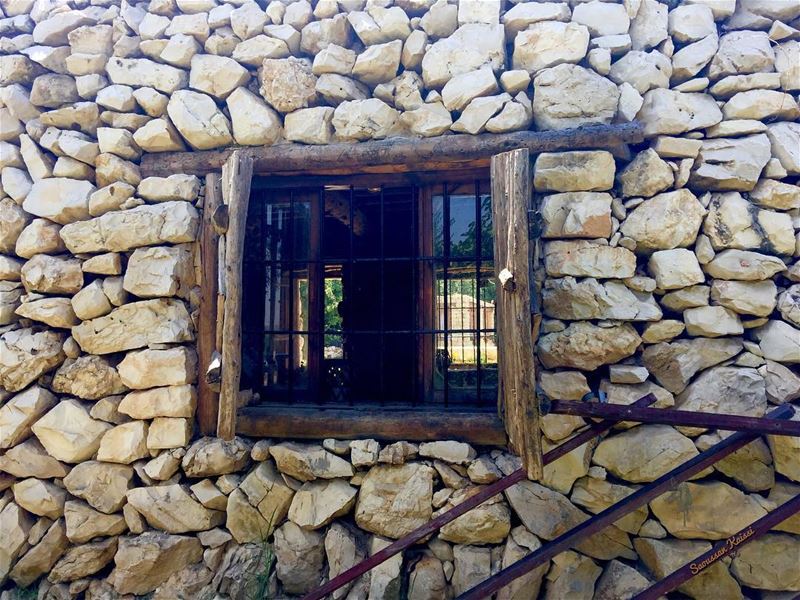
(370, 295)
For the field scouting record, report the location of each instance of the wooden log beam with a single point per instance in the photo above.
(237, 175)
(418, 426)
(207, 398)
(394, 153)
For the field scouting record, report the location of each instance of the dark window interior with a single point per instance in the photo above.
(370, 296)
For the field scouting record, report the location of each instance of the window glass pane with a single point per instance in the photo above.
(487, 234)
(463, 230)
(437, 222)
(302, 223)
(336, 223)
(398, 296)
(285, 361)
(286, 298)
(398, 237)
(366, 223)
(276, 224)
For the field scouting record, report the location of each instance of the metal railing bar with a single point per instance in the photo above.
(615, 512)
(721, 550)
(485, 494)
(669, 416)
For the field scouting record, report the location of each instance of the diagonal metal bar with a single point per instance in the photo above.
(617, 511)
(487, 492)
(721, 550)
(668, 416)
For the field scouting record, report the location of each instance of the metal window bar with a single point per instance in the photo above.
(615, 512)
(720, 550)
(482, 496)
(276, 245)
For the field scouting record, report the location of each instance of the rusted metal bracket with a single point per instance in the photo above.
(615, 512)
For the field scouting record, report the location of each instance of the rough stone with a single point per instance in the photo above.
(658, 449)
(40, 559)
(394, 500)
(134, 325)
(468, 48)
(83, 560)
(299, 558)
(574, 171)
(20, 412)
(144, 562)
(692, 510)
(254, 123)
(549, 43)
(743, 265)
(586, 259)
(576, 215)
(84, 523)
(214, 456)
(42, 498)
(669, 220)
(662, 557)
(488, 523)
(742, 53)
(570, 96)
(730, 164)
(124, 443)
(40, 236)
(101, 484)
(59, 199)
(172, 401)
(672, 112)
(308, 462)
(172, 509)
(571, 299)
(317, 503)
(676, 268)
(646, 175)
(88, 377)
(585, 346)
(198, 120)
(68, 433)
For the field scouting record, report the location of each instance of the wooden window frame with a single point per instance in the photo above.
(221, 247)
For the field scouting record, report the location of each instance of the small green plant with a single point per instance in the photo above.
(258, 583)
(28, 593)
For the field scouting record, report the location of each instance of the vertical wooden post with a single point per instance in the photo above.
(511, 198)
(237, 174)
(207, 398)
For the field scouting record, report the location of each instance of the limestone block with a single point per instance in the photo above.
(83, 523)
(468, 48)
(658, 449)
(462, 89)
(676, 268)
(666, 221)
(172, 401)
(59, 199)
(217, 76)
(570, 299)
(317, 503)
(167, 222)
(742, 53)
(254, 123)
(287, 84)
(91, 302)
(602, 18)
(159, 135)
(88, 377)
(160, 271)
(730, 164)
(784, 138)
(254, 51)
(199, 121)
(39, 236)
(52, 275)
(692, 58)
(103, 485)
(382, 507)
(672, 112)
(549, 43)
(83, 560)
(171, 508)
(155, 368)
(25, 355)
(576, 215)
(570, 96)
(585, 346)
(169, 432)
(20, 412)
(586, 259)
(41, 558)
(779, 342)
(360, 120)
(583, 170)
(68, 433)
(744, 265)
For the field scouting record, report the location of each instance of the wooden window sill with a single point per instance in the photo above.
(480, 428)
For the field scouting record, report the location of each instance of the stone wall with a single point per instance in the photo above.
(670, 267)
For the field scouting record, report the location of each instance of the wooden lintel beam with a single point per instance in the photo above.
(393, 153)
